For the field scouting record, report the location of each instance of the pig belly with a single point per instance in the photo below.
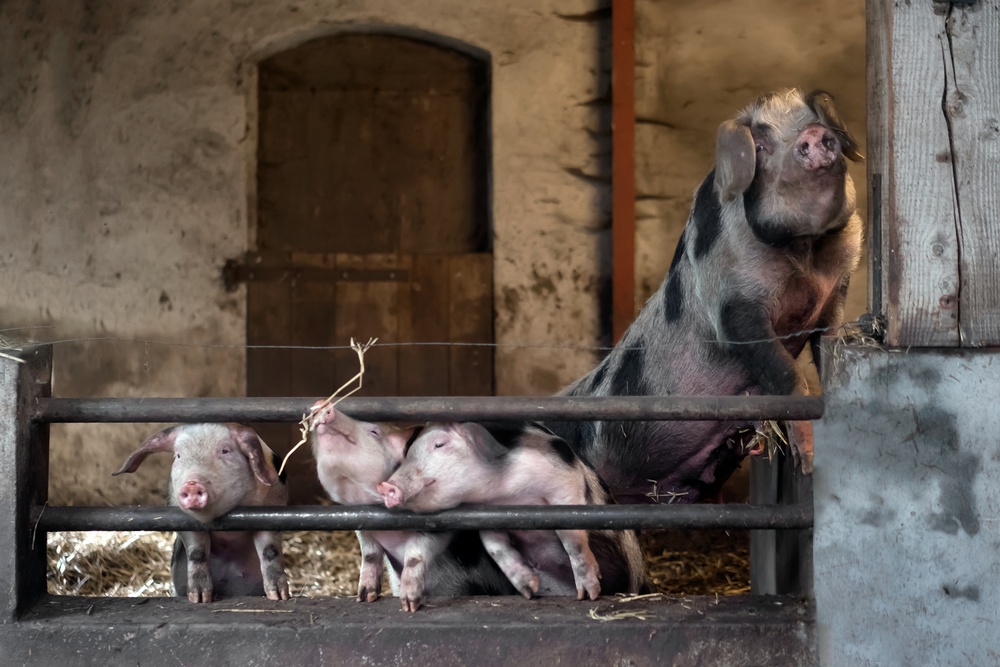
(235, 565)
(462, 569)
(670, 469)
(543, 551)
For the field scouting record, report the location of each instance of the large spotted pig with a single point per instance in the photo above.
(352, 458)
(450, 464)
(761, 268)
(216, 468)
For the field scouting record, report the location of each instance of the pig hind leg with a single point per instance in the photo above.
(586, 572)
(510, 561)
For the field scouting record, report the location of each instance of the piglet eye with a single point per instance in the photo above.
(177, 455)
(760, 147)
(438, 445)
(226, 450)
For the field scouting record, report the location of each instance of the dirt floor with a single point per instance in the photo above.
(132, 564)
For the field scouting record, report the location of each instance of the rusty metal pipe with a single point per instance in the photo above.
(465, 408)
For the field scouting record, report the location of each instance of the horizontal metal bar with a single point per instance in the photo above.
(373, 517)
(516, 408)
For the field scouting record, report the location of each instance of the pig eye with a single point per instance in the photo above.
(438, 445)
(177, 455)
(226, 450)
(375, 432)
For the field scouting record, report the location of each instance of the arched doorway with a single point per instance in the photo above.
(372, 221)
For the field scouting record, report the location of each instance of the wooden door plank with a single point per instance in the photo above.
(423, 318)
(471, 321)
(365, 310)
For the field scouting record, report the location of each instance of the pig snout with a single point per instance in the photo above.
(816, 147)
(391, 494)
(192, 495)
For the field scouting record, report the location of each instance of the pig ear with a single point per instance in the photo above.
(251, 446)
(821, 102)
(483, 441)
(161, 442)
(735, 160)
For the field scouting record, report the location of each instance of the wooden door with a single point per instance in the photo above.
(372, 221)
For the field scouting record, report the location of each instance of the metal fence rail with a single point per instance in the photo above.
(547, 408)
(471, 517)
(467, 408)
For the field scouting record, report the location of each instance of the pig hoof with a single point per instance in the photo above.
(368, 594)
(198, 595)
(529, 587)
(410, 605)
(280, 594)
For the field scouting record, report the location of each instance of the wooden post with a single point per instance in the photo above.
(24, 479)
(934, 170)
(622, 165)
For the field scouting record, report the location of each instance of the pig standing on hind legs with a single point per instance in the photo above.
(450, 464)
(761, 269)
(216, 468)
(352, 458)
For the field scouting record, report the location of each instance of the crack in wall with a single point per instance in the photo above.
(946, 56)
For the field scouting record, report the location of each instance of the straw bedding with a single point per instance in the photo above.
(132, 564)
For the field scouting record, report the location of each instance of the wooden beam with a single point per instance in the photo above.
(934, 170)
(622, 165)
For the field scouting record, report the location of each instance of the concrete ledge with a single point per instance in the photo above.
(654, 630)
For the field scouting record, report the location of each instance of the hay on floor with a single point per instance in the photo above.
(134, 564)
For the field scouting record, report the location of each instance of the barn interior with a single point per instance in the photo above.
(211, 199)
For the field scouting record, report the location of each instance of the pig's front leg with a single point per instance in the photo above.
(586, 572)
(747, 334)
(420, 551)
(372, 559)
(272, 566)
(198, 550)
(510, 561)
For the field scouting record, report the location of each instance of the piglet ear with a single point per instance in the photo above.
(252, 447)
(735, 160)
(161, 442)
(482, 441)
(821, 102)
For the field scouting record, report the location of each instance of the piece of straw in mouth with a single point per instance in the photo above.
(306, 424)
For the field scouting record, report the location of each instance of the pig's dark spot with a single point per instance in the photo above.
(777, 236)
(627, 378)
(562, 448)
(197, 556)
(413, 561)
(597, 377)
(970, 592)
(678, 251)
(706, 216)
(271, 552)
(673, 304)
(372, 559)
(744, 323)
(413, 436)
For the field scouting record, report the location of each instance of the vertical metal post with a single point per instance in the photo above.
(24, 478)
(781, 561)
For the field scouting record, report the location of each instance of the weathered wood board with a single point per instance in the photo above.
(934, 165)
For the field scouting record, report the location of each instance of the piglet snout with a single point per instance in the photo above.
(192, 496)
(391, 494)
(817, 147)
